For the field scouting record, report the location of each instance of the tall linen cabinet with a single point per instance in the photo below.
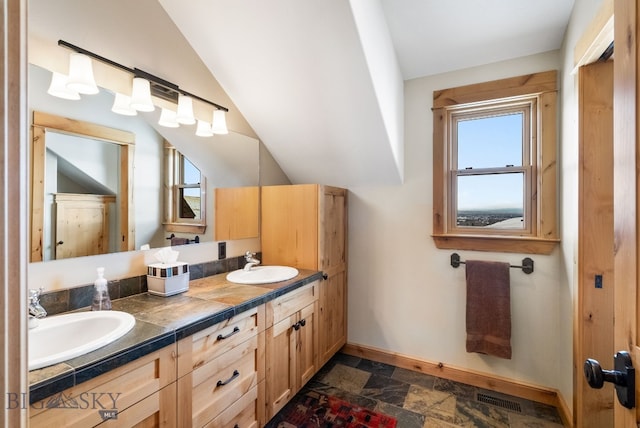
(305, 226)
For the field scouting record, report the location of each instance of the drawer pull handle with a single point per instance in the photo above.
(236, 373)
(236, 329)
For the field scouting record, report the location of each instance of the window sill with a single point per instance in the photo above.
(185, 228)
(498, 244)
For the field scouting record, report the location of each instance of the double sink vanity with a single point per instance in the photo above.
(221, 354)
(229, 352)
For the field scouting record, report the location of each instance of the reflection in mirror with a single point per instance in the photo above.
(237, 211)
(225, 160)
(185, 196)
(188, 187)
(80, 195)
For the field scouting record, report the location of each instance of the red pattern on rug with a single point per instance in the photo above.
(324, 411)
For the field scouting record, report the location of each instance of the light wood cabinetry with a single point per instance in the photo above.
(239, 372)
(306, 226)
(237, 212)
(291, 345)
(221, 374)
(139, 394)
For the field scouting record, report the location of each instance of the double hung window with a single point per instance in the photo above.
(494, 166)
(185, 194)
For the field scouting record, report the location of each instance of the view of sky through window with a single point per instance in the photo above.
(191, 195)
(490, 142)
(190, 174)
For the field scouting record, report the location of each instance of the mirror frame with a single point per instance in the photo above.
(44, 122)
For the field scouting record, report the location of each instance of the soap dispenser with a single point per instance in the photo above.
(101, 300)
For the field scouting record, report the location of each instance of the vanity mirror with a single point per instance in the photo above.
(124, 184)
(110, 28)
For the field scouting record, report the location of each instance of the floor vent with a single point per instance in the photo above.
(499, 402)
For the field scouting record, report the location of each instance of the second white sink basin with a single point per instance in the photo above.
(262, 274)
(61, 337)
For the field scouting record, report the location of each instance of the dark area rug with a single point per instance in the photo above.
(314, 409)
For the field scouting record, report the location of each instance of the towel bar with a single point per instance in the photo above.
(527, 263)
(196, 240)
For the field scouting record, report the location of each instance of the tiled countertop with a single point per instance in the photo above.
(161, 321)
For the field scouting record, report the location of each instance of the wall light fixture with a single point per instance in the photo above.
(144, 86)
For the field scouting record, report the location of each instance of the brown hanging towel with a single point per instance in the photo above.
(179, 241)
(488, 308)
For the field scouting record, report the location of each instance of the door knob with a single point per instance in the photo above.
(623, 377)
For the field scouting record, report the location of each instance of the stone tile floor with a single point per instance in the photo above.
(418, 400)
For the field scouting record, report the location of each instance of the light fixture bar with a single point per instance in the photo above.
(163, 88)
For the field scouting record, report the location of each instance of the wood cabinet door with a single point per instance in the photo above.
(306, 346)
(289, 225)
(332, 316)
(280, 352)
(333, 263)
(237, 210)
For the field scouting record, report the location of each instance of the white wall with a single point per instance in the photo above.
(384, 70)
(405, 297)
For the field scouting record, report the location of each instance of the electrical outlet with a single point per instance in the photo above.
(222, 250)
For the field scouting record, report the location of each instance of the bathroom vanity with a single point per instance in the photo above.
(220, 355)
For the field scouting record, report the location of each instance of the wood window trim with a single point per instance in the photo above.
(525, 106)
(171, 223)
(544, 86)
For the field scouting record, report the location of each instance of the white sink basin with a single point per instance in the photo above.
(262, 274)
(61, 337)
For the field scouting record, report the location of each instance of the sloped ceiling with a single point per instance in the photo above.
(317, 84)
(298, 72)
(320, 82)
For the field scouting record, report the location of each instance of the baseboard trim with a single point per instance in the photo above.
(481, 380)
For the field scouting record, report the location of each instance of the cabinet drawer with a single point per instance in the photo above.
(116, 390)
(241, 414)
(206, 345)
(157, 410)
(217, 384)
(290, 303)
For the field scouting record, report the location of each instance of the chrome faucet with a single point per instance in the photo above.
(251, 260)
(35, 308)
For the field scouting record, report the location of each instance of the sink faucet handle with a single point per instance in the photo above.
(249, 255)
(34, 295)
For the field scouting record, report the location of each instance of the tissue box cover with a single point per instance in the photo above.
(167, 279)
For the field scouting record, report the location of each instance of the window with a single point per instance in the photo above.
(495, 165)
(185, 194)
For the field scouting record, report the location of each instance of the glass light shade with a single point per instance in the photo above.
(58, 87)
(204, 129)
(168, 119)
(219, 122)
(122, 105)
(185, 110)
(81, 75)
(141, 95)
